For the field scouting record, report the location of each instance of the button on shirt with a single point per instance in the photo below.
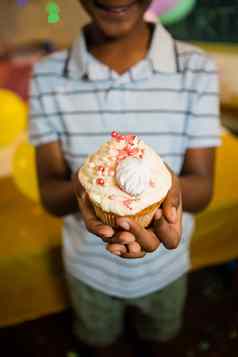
(169, 99)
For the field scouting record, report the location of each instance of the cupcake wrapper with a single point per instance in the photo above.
(143, 217)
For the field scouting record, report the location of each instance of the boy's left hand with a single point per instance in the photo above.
(166, 228)
(168, 219)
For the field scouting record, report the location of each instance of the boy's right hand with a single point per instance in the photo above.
(93, 224)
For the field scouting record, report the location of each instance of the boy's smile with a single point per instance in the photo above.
(115, 9)
(116, 18)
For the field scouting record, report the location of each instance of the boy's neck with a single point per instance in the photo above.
(119, 54)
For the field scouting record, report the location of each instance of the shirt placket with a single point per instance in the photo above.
(116, 103)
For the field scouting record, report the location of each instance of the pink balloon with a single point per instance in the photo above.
(158, 7)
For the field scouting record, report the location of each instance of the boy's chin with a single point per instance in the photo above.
(115, 31)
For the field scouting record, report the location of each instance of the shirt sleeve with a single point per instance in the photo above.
(203, 126)
(41, 106)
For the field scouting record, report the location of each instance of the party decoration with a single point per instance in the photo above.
(22, 2)
(159, 7)
(13, 117)
(178, 13)
(53, 12)
(24, 171)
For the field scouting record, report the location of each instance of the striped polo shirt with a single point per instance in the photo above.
(169, 99)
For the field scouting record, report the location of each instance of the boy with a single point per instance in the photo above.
(123, 74)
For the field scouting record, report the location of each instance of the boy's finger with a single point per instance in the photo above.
(133, 255)
(171, 205)
(123, 238)
(134, 248)
(173, 199)
(93, 224)
(116, 249)
(145, 237)
(158, 214)
(167, 233)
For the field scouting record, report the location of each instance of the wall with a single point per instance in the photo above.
(21, 24)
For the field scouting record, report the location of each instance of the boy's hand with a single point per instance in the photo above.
(168, 219)
(145, 239)
(93, 224)
(117, 242)
(167, 226)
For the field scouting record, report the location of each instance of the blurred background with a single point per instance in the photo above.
(35, 317)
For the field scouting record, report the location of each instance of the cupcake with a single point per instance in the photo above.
(125, 178)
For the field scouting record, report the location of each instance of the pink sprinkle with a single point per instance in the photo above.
(130, 138)
(119, 137)
(115, 134)
(100, 169)
(132, 151)
(100, 181)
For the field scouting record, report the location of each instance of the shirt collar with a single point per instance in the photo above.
(162, 53)
(161, 58)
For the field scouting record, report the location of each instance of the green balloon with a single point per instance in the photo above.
(178, 13)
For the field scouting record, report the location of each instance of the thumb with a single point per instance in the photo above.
(158, 214)
(171, 205)
(173, 200)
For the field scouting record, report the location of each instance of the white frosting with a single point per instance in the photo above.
(133, 175)
(135, 193)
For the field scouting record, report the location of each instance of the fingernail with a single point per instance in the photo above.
(117, 253)
(107, 234)
(124, 225)
(158, 214)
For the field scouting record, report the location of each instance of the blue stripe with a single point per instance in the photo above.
(124, 89)
(70, 134)
(123, 112)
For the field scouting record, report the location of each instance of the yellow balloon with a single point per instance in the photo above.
(13, 117)
(24, 171)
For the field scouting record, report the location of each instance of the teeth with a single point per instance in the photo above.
(118, 9)
(121, 8)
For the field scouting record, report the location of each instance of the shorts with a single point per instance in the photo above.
(99, 318)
